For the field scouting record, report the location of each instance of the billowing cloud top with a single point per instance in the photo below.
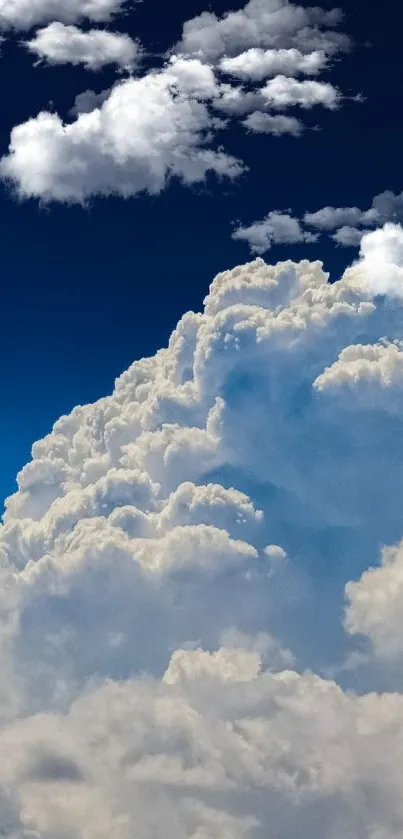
(173, 567)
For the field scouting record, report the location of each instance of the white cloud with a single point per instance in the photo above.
(256, 64)
(329, 218)
(22, 14)
(351, 221)
(348, 236)
(147, 131)
(276, 124)
(366, 377)
(262, 24)
(152, 496)
(143, 132)
(389, 206)
(58, 43)
(348, 226)
(179, 549)
(217, 748)
(276, 228)
(375, 603)
(380, 263)
(282, 92)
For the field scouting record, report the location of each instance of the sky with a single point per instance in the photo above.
(201, 552)
(87, 290)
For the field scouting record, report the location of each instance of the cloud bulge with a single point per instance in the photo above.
(173, 567)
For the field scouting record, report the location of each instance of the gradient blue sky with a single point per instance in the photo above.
(86, 291)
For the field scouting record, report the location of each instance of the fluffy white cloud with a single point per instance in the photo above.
(256, 64)
(141, 133)
(172, 570)
(375, 603)
(276, 228)
(147, 131)
(22, 14)
(263, 24)
(283, 92)
(331, 217)
(348, 236)
(366, 377)
(217, 748)
(275, 124)
(165, 483)
(380, 264)
(58, 43)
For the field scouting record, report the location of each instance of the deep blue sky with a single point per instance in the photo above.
(85, 292)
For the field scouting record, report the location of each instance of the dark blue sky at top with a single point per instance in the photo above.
(87, 291)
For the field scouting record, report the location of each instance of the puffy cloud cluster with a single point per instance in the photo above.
(350, 223)
(23, 14)
(346, 225)
(173, 567)
(61, 44)
(217, 748)
(147, 131)
(380, 261)
(256, 64)
(276, 228)
(165, 123)
(263, 24)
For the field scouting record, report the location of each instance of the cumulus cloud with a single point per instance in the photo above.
(58, 43)
(217, 747)
(380, 263)
(23, 14)
(276, 124)
(147, 131)
(143, 132)
(351, 222)
(331, 217)
(283, 92)
(256, 64)
(172, 573)
(375, 603)
(346, 225)
(276, 228)
(263, 24)
(366, 377)
(348, 236)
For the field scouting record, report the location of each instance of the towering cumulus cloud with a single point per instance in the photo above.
(173, 569)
